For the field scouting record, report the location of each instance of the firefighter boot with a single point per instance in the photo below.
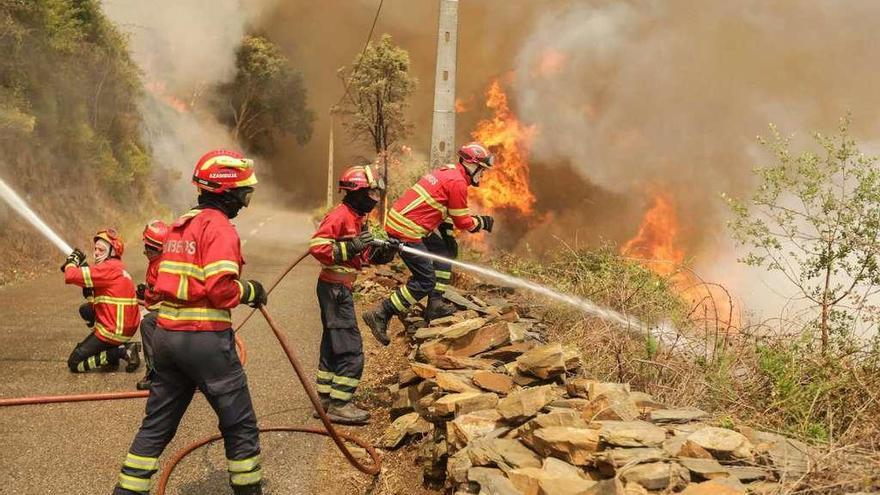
(146, 381)
(438, 308)
(132, 356)
(247, 489)
(347, 414)
(325, 404)
(377, 320)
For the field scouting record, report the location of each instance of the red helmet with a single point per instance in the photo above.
(221, 170)
(112, 237)
(155, 233)
(476, 154)
(361, 177)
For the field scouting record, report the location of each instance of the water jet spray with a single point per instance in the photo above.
(22, 208)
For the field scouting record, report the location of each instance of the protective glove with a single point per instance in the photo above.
(447, 233)
(88, 293)
(75, 258)
(484, 222)
(382, 252)
(141, 293)
(346, 250)
(253, 294)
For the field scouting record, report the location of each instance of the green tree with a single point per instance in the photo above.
(266, 99)
(376, 98)
(815, 218)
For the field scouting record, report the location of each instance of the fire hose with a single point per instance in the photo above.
(338, 438)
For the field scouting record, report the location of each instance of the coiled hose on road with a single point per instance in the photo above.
(338, 438)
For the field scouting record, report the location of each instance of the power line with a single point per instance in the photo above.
(364, 51)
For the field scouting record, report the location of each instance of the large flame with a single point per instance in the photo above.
(506, 186)
(160, 91)
(657, 245)
(657, 238)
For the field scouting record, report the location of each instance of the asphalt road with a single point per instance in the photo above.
(78, 448)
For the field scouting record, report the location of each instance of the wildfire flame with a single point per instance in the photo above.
(657, 243)
(658, 237)
(160, 91)
(505, 186)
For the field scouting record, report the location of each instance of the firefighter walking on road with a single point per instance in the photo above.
(193, 344)
(342, 244)
(420, 219)
(154, 237)
(111, 309)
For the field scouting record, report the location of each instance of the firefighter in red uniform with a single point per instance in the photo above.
(111, 309)
(154, 237)
(416, 220)
(193, 344)
(342, 244)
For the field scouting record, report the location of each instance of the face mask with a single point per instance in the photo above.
(361, 201)
(475, 177)
(102, 250)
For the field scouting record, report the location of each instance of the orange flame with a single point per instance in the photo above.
(461, 106)
(657, 240)
(505, 186)
(657, 244)
(160, 91)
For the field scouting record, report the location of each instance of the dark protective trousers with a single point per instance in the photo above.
(183, 362)
(428, 278)
(342, 350)
(148, 329)
(93, 353)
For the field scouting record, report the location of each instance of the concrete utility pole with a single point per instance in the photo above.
(443, 127)
(330, 165)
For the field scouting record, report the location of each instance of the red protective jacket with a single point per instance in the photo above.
(198, 274)
(116, 308)
(151, 296)
(436, 196)
(340, 224)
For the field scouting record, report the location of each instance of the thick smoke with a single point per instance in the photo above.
(670, 94)
(184, 47)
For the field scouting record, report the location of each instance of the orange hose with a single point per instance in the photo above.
(52, 399)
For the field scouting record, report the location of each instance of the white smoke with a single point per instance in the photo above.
(183, 47)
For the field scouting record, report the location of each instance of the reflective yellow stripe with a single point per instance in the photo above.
(140, 462)
(221, 266)
(120, 318)
(116, 300)
(405, 225)
(182, 268)
(343, 251)
(183, 288)
(87, 277)
(102, 358)
(228, 161)
(325, 375)
(407, 295)
(195, 314)
(428, 199)
(91, 361)
(478, 223)
(344, 380)
(396, 302)
(336, 394)
(247, 182)
(459, 212)
(443, 274)
(246, 478)
(243, 465)
(412, 205)
(369, 172)
(320, 241)
(340, 269)
(115, 337)
(323, 388)
(133, 483)
(81, 367)
(440, 287)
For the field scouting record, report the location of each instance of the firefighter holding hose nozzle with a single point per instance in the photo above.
(193, 344)
(423, 218)
(342, 244)
(111, 308)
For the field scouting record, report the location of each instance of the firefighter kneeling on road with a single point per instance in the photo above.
(193, 344)
(154, 237)
(342, 244)
(111, 308)
(418, 220)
